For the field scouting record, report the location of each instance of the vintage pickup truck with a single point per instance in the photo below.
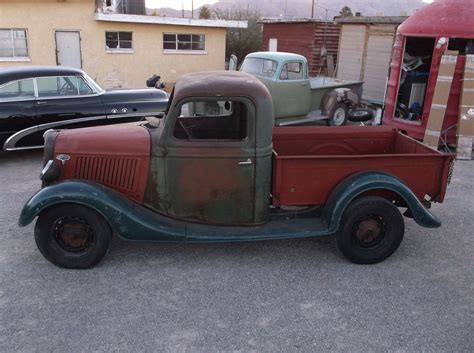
(297, 98)
(213, 169)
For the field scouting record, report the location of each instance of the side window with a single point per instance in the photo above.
(292, 70)
(57, 86)
(83, 87)
(18, 89)
(211, 120)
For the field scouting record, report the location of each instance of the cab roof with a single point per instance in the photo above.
(277, 56)
(8, 74)
(220, 83)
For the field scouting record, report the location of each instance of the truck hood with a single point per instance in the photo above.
(134, 95)
(117, 156)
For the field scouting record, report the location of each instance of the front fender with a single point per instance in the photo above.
(127, 219)
(357, 184)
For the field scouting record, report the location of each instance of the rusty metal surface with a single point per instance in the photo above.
(117, 156)
(310, 162)
(201, 180)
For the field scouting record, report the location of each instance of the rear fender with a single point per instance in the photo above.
(359, 183)
(127, 219)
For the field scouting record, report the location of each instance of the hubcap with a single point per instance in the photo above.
(369, 231)
(339, 116)
(73, 234)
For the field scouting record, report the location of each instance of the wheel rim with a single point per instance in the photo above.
(369, 231)
(339, 116)
(73, 234)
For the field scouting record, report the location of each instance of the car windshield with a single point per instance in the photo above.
(95, 86)
(259, 67)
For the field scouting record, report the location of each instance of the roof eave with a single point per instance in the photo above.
(194, 22)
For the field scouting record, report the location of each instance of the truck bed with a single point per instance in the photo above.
(310, 161)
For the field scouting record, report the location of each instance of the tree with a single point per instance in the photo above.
(205, 12)
(346, 12)
(154, 13)
(242, 41)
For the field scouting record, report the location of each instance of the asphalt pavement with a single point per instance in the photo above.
(277, 296)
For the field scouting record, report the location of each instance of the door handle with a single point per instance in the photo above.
(304, 84)
(41, 103)
(247, 162)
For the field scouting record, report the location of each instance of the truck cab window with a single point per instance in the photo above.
(292, 70)
(211, 120)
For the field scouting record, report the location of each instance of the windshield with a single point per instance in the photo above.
(259, 67)
(93, 84)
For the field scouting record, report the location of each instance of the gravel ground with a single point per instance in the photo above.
(278, 296)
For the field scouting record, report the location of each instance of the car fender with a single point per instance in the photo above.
(359, 183)
(127, 219)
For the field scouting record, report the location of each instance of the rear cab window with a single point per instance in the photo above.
(211, 120)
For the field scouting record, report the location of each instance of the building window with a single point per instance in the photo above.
(184, 42)
(118, 41)
(13, 43)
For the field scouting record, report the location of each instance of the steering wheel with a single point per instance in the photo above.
(65, 89)
(186, 130)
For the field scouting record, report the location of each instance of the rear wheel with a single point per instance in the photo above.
(72, 236)
(372, 229)
(338, 115)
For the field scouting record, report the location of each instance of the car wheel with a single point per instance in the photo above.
(372, 229)
(361, 115)
(72, 236)
(338, 115)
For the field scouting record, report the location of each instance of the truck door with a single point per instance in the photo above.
(210, 161)
(293, 91)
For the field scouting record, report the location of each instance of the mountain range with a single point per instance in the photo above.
(302, 8)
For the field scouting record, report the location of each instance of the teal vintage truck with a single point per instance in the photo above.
(297, 98)
(214, 169)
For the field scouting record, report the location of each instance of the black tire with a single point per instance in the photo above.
(372, 229)
(72, 236)
(360, 115)
(338, 115)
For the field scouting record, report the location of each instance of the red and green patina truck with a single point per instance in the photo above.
(213, 169)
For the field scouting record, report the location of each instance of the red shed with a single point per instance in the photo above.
(410, 90)
(312, 38)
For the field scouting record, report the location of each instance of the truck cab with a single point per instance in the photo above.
(214, 169)
(297, 98)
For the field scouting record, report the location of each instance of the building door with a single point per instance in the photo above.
(273, 44)
(68, 49)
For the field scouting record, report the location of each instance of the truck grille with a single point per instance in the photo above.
(118, 173)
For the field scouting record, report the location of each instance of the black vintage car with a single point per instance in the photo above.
(36, 99)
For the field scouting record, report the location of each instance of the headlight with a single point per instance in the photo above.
(50, 172)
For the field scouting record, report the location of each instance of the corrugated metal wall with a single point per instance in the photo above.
(351, 52)
(364, 54)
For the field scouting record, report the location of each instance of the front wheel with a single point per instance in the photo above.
(338, 115)
(372, 229)
(72, 236)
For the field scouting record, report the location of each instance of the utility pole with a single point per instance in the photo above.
(192, 8)
(312, 10)
(182, 10)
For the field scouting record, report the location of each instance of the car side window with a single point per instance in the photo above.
(57, 86)
(17, 89)
(292, 70)
(211, 120)
(83, 87)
